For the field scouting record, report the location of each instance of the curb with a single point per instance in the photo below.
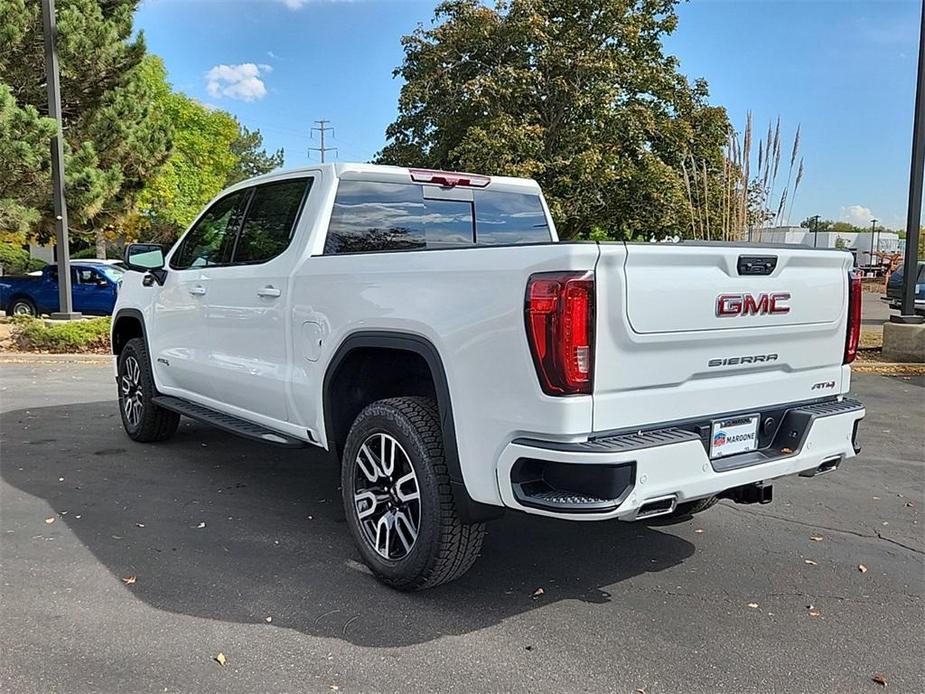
(35, 358)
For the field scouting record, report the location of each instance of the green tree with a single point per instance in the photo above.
(197, 169)
(252, 158)
(24, 160)
(115, 138)
(575, 93)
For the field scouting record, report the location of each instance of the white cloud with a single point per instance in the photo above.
(857, 215)
(237, 81)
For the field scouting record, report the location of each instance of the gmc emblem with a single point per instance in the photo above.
(728, 305)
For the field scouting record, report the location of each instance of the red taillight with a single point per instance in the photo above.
(854, 317)
(560, 329)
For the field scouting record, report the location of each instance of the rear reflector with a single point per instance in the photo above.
(854, 316)
(559, 315)
(449, 179)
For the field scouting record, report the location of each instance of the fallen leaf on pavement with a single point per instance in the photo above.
(879, 679)
(50, 520)
(816, 538)
(220, 659)
(753, 605)
(815, 613)
(537, 593)
(129, 580)
(862, 568)
(810, 562)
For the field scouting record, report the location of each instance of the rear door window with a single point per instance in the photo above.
(270, 220)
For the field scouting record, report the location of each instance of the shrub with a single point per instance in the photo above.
(14, 259)
(34, 335)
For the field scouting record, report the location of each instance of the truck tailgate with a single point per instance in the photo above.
(685, 331)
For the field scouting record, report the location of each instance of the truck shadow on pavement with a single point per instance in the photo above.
(221, 528)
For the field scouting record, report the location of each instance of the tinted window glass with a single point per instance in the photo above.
(210, 241)
(370, 216)
(269, 221)
(113, 272)
(508, 218)
(86, 275)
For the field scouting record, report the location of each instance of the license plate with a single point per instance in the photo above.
(731, 436)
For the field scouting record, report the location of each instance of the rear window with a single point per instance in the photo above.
(370, 216)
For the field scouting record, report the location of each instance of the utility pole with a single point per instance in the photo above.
(815, 230)
(322, 128)
(916, 175)
(65, 305)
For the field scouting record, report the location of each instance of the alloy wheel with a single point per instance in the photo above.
(387, 498)
(131, 391)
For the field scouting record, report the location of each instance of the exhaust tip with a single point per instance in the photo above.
(828, 465)
(657, 507)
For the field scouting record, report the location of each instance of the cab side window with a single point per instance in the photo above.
(270, 220)
(86, 275)
(210, 241)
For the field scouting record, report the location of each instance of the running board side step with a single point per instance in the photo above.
(226, 422)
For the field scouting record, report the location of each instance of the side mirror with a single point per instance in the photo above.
(143, 257)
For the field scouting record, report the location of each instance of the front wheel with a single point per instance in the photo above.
(397, 497)
(141, 418)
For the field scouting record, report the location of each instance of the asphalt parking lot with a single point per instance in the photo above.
(242, 549)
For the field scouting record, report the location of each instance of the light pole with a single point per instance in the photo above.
(815, 230)
(65, 306)
(916, 175)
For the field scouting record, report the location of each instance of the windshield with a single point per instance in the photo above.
(113, 272)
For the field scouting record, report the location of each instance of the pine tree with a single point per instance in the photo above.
(115, 138)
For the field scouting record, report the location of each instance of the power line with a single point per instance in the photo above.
(322, 128)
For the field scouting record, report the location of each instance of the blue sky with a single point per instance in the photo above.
(844, 71)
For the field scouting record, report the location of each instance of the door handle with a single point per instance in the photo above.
(268, 291)
(198, 290)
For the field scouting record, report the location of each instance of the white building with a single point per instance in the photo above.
(863, 244)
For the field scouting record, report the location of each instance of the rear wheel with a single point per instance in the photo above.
(397, 497)
(22, 306)
(141, 418)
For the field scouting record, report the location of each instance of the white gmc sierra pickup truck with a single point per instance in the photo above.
(429, 330)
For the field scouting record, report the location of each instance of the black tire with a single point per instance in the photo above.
(683, 512)
(22, 306)
(444, 547)
(142, 419)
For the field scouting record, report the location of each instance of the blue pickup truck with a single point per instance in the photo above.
(894, 288)
(93, 290)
